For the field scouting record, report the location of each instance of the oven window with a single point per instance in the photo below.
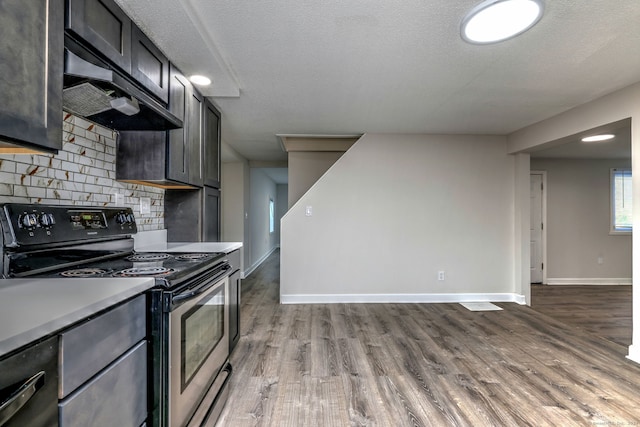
(202, 330)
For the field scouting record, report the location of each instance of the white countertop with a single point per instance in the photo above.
(225, 247)
(156, 241)
(31, 309)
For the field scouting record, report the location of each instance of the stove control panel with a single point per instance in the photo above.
(87, 219)
(24, 224)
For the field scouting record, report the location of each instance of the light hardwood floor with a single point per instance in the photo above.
(420, 365)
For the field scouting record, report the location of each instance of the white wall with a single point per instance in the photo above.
(578, 216)
(619, 105)
(396, 209)
(262, 188)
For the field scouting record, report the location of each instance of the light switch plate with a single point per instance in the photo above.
(308, 211)
(119, 199)
(145, 205)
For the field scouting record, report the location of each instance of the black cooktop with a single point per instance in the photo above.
(170, 269)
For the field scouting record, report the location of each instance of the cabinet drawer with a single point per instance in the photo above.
(116, 397)
(90, 347)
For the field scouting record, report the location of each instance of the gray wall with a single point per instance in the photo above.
(305, 168)
(396, 209)
(262, 243)
(282, 205)
(235, 206)
(578, 216)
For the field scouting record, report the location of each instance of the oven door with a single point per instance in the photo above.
(199, 345)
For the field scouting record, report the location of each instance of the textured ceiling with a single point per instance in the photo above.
(336, 67)
(571, 147)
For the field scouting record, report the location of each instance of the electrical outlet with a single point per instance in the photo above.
(440, 275)
(145, 205)
(118, 199)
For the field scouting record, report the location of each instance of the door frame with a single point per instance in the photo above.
(543, 243)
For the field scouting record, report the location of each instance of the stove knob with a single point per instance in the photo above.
(131, 219)
(28, 220)
(121, 218)
(47, 220)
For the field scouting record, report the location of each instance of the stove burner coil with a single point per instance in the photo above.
(148, 257)
(84, 272)
(192, 257)
(145, 271)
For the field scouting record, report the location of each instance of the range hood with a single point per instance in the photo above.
(103, 94)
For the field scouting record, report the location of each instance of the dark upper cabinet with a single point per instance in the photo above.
(195, 102)
(178, 149)
(211, 146)
(175, 159)
(149, 66)
(104, 26)
(31, 74)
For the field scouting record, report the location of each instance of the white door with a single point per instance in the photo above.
(536, 190)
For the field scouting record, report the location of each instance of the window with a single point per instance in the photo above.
(272, 217)
(621, 216)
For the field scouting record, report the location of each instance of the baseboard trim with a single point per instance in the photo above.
(398, 298)
(590, 281)
(256, 264)
(634, 353)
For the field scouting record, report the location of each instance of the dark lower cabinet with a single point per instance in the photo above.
(234, 309)
(103, 369)
(29, 386)
(210, 215)
(32, 52)
(192, 215)
(182, 215)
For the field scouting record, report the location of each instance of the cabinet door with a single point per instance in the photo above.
(149, 66)
(211, 215)
(104, 27)
(32, 51)
(196, 107)
(211, 145)
(178, 148)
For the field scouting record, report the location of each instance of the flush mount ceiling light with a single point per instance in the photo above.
(200, 80)
(598, 138)
(493, 21)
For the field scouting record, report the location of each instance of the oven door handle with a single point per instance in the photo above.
(192, 293)
(20, 397)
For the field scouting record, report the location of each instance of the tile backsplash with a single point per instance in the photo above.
(82, 173)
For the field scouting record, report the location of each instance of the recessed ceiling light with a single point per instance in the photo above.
(597, 138)
(200, 80)
(496, 20)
